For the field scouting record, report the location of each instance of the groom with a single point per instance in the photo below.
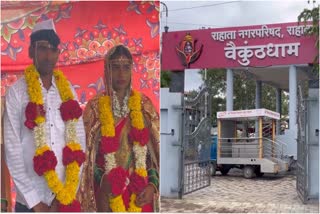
(36, 131)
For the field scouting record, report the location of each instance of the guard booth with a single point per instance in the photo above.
(241, 146)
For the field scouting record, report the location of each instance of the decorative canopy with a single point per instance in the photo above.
(87, 31)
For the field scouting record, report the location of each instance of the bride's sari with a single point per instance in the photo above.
(89, 193)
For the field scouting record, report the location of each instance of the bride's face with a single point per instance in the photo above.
(121, 73)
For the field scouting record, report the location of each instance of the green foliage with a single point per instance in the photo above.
(218, 104)
(284, 103)
(313, 16)
(165, 79)
(192, 94)
(244, 92)
(268, 97)
(216, 79)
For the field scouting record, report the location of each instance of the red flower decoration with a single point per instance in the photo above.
(142, 136)
(45, 162)
(70, 110)
(32, 111)
(137, 183)
(109, 144)
(68, 156)
(117, 177)
(30, 124)
(73, 207)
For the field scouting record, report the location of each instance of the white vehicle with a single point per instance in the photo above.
(246, 140)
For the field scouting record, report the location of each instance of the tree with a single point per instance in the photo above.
(217, 83)
(284, 103)
(165, 79)
(313, 16)
(268, 98)
(244, 93)
(218, 104)
(244, 90)
(192, 94)
(216, 80)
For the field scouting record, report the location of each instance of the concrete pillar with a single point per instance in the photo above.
(292, 98)
(291, 134)
(278, 109)
(258, 103)
(229, 90)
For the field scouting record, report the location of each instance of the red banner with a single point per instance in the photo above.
(256, 46)
(87, 31)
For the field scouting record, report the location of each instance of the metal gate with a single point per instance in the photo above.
(196, 142)
(308, 144)
(302, 150)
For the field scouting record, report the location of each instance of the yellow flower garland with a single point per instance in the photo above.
(65, 193)
(34, 90)
(63, 86)
(117, 204)
(107, 129)
(132, 205)
(106, 118)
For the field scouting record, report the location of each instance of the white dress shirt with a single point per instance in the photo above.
(19, 142)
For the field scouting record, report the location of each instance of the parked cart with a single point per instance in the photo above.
(246, 140)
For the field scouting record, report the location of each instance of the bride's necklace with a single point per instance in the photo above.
(117, 110)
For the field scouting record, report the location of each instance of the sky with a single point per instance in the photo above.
(192, 15)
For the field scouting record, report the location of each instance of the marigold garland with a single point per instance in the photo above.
(117, 204)
(139, 136)
(44, 159)
(132, 205)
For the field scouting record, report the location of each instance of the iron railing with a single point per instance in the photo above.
(250, 148)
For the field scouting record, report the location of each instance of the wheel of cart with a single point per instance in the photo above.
(213, 168)
(248, 172)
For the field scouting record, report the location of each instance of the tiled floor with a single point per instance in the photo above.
(235, 194)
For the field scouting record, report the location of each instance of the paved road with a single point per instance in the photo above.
(235, 194)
